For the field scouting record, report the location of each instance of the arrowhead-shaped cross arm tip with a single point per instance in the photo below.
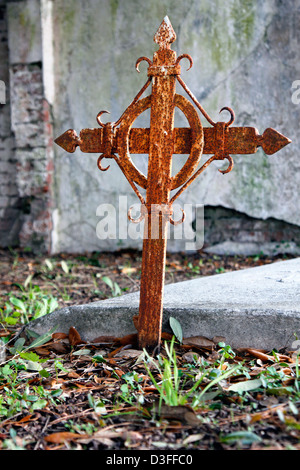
(238, 140)
(69, 140)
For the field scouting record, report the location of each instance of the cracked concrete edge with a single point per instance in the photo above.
(241, 328)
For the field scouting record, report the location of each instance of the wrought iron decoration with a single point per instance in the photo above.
(118, 140)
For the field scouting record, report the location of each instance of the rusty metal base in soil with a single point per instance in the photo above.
(256, 307)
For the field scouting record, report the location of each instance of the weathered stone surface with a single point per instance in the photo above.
(232, 233)
(9, 217)
(30, 126)
(256, 307)
(25, 32)
(245, 56)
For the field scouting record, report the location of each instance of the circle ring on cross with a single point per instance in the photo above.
(197, 141)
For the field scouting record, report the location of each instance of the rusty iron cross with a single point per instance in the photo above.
(118, 140)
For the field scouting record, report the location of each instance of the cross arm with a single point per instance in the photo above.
(237, 140)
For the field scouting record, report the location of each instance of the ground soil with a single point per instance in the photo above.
(128, 418)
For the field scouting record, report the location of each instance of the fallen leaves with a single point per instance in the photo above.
(200, 342)
(184, 414)
(98, 395)
(245, 386)
(98, 370)
(267, 357)
(104, 436)
(62, 437)
(74, 337)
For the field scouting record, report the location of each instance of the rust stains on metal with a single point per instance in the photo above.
(158, 187)
(118, 140)
(69, 140)
(239, 140)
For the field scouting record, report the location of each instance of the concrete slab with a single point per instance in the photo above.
(256, 307)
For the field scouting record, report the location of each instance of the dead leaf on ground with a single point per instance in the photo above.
(129, 353)
(219, 339)
(42, 351)
(198, 342)
(105, 339)
(128, 339)
(73, 375)
(74, 337)
(26, 419)
(124, 341)
(59, 336)
(60, 348)
(61, 437)
(190, 356)
(119, 372)
(128, 270)
(267, 357)
(265, 414)
(192, 438)
(183, 413)
(4, 333)
(105, 436)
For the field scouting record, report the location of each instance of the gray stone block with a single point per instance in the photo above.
(256, 307)
(25, 32)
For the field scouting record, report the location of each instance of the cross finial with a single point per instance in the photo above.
(165, 34)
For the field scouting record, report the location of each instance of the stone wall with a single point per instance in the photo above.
(67, 60)
(10, 204)
(229, 231)
(27, 178)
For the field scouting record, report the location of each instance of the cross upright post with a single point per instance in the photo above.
(116, 140)
(163, 71)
